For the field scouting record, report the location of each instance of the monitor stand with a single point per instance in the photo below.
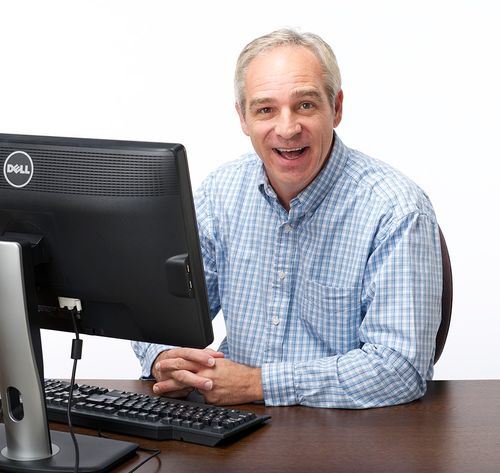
(26, 443)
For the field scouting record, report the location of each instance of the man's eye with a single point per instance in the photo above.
(306, 106)
(264, 110)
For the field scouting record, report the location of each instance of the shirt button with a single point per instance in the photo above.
(281, 275)
(275, 320)
(288, 228)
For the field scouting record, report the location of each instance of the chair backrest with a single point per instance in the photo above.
(446, 301)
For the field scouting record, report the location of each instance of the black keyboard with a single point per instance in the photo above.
(146, 416)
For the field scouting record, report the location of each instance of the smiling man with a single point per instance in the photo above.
(325, 262)
(289, 117)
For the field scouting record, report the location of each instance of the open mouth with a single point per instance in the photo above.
(290, 153)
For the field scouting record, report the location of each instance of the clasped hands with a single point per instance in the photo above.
(221, 381)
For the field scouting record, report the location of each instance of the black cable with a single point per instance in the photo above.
(154, 453)
(76, 354)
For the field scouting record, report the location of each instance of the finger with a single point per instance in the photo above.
(174, 388)
(178, 380)
(175, 364)
(203, 357)
(171, 388)
(187, 378)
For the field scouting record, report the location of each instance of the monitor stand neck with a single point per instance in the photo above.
(26, 429)
(25, 443)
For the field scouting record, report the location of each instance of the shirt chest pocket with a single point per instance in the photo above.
(332, 315)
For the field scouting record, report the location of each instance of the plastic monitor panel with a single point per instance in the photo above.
(108, 226)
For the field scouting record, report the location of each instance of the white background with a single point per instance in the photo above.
(421, 82)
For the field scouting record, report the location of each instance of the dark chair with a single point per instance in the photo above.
(446, 301)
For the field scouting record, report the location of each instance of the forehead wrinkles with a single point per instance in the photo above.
(283, 73)
(291, 79)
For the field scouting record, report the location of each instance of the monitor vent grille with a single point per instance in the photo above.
(106, 173)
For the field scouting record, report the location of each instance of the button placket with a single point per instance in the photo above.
(279, 302)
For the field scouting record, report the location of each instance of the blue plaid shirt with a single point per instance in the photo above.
(337, 300)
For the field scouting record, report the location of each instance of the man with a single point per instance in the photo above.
(326, 263)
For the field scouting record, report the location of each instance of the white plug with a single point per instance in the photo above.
(70, 303)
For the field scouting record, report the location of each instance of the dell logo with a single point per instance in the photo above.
(18, 169)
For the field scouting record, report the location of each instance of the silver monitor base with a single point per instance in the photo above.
(26, 442)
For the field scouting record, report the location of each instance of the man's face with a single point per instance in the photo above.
(288, 117)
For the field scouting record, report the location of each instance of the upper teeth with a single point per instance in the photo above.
(283, 150)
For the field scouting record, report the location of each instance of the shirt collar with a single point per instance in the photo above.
(308, 200)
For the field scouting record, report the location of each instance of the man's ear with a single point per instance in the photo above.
(243, 122)
(339, 99)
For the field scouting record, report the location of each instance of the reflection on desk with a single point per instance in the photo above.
(455, 428)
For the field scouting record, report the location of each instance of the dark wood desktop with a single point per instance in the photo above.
(454, 428)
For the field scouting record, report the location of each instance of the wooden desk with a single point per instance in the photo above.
(454, 428)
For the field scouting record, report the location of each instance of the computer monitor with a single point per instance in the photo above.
(106, 225)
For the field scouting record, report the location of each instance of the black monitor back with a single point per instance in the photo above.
(118, 232)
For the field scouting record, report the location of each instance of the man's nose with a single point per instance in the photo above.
(287, 126)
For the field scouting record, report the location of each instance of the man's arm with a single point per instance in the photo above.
(402, 296)
(403, 299)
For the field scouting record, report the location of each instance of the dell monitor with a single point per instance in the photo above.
(104, 226)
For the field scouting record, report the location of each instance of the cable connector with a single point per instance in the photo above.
(70, 303)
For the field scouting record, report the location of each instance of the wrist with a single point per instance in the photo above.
(255, 387)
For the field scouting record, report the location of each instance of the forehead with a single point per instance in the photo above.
(281, 70)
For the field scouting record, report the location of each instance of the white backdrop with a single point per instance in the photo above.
(421, 82)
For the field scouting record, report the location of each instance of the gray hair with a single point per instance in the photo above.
(288, 37)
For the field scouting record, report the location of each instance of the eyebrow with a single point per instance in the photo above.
(259, 101)
(307, 92)
(299, 93)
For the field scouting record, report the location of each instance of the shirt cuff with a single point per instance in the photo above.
(278, 384)
(149, 357)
